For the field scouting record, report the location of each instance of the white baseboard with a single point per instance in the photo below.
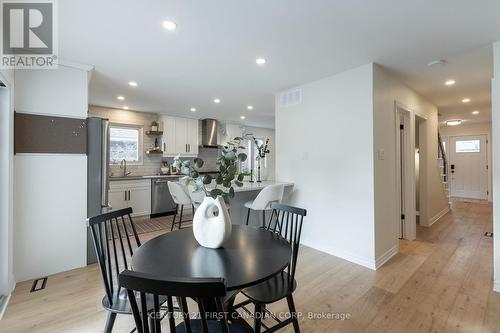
(496, 286)
(4, 300)
(439, 215)
(386, 256)
(366, 262)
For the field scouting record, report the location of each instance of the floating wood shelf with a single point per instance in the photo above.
(154, 132)
(154, 152)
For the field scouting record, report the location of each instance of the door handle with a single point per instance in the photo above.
(164, 147)
(189, 147)
(128, 195)
(125, 195)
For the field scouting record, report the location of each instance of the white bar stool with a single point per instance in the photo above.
(197, 198)
(180, 194)
(263, 201)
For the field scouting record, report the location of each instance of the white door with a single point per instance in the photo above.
(469, 167)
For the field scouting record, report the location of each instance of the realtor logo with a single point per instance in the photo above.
(28, 36)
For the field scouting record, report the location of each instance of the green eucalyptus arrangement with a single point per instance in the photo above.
(227, 175)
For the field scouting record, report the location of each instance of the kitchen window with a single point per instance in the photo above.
(125, 144)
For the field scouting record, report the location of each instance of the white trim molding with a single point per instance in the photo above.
(4, 300)
(439, 215)
(496, 286)
(380, 261)
(356, 259)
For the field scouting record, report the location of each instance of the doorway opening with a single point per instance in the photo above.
(411, 173)
(420, 124)
(6, 194)
(405, 172)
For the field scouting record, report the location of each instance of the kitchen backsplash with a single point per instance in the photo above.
(151, 163)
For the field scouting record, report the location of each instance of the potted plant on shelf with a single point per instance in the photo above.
(154, 126)
(211, 221)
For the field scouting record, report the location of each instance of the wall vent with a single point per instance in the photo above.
(291, 97)
(39, 284)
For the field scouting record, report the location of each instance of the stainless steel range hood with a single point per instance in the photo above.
(209, 132)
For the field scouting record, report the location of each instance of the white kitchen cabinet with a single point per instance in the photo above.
(140, 199)
(117, 198)
(180, 136)
(169, 134)
(193, 136)
(131, 193)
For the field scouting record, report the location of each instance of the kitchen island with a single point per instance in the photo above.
(249, 192)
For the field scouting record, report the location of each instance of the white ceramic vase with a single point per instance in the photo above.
(211, 230)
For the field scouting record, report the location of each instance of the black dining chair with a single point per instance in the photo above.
(202, 290)
(286, 221)
(111, 235)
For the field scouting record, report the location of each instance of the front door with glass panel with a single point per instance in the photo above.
(468, 167)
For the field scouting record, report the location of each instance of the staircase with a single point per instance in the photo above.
(443, 166)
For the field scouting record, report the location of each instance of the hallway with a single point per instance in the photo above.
(442, 282)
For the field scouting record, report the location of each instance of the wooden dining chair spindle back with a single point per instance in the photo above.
(111, 234)
(202, 290)
(287, 221)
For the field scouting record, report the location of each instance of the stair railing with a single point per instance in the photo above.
(442, 155)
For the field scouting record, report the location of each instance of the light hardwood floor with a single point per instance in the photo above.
(442, 282)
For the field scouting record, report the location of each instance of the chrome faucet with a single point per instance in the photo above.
(123, 165)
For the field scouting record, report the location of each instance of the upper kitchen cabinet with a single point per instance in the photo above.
(180, 136)
(193, 136)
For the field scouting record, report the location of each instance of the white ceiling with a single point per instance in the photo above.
(213, 51)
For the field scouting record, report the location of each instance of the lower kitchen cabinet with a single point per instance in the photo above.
(131, 193)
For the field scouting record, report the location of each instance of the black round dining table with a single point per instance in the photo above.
(250, 256)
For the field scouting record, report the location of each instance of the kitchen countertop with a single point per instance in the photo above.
(247, 186)
(114, 178)
(138, 177)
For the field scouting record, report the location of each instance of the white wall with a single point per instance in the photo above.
(50, 201)
(387, 91)
(473, 129)
(6, 182)
(325, 146)
(495, 133)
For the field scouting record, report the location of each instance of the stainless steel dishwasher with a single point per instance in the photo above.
(161, 200)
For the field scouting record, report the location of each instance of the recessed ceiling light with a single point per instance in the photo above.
(125, 108)
(242, 117)
(132, 83)
(216, 100)
(260, 61)
(475, 112)
(454, 122)
(169, 25)
(120, 98)
(192, 109)
(250, 107)
(466, 100)
(450, 82)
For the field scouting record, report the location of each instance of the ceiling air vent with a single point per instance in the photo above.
(291, 97)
